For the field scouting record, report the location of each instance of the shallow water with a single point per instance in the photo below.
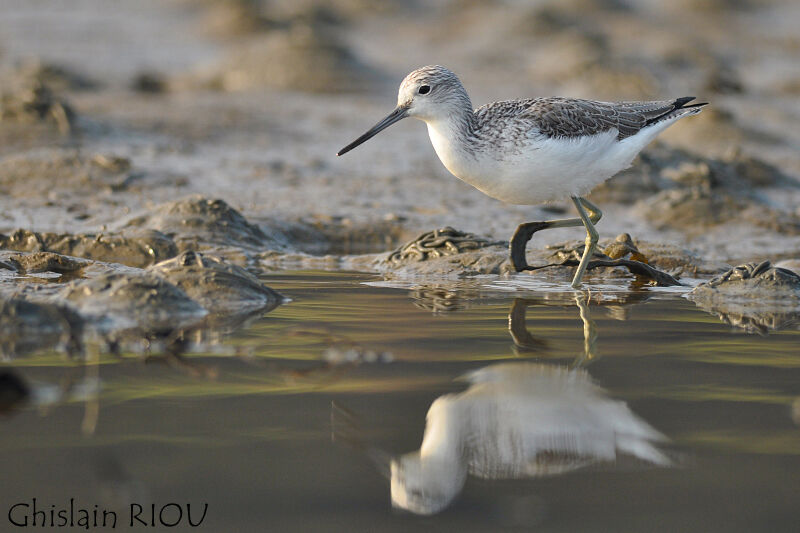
(289, 424)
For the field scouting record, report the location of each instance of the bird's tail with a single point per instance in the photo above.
(679, 108)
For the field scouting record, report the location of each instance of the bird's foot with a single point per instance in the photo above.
(520, 239)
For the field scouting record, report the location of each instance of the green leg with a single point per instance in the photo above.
(525, 231)
(581, 204)
(589, 329)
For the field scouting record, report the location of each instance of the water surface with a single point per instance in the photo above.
(291, 423)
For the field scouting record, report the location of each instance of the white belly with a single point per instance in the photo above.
(541, 170)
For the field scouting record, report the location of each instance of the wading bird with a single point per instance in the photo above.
(531, 151)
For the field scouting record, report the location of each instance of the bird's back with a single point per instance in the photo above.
(569, 118)
(543, 149)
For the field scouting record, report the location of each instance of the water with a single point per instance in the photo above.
(273, 437)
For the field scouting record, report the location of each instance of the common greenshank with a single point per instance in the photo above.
(531, 151)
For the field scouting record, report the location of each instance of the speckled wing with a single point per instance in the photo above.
(571, 117)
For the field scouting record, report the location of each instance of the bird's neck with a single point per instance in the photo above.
(444, 431)
(457, 119)
(452, 135)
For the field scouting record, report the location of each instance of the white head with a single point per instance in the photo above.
(428, 93)
(426, 485)
(432, 92)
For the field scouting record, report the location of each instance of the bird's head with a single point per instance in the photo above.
(425, 485)
(431, 92)
(428, 93)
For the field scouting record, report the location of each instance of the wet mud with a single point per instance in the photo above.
(136, 248)
(71, 301)
(27, 327)
(35, 103)
(217, 286)
(757, 297)
(199, 223)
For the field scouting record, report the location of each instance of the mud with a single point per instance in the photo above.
(119, 302)
(754, 296)
(199, 223)
(191, 297)
(136, 248)
(43, 262)
(679, 261)
(661, 167)
(306, 56)
(219, 287)
(677, 189)
(28, 175)
(446, 252)
(27, 327)
(36, 103)
(233, 18)
(57, 78)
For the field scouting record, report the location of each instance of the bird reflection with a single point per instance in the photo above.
(524, 341)
(449, 298)
(517, 420)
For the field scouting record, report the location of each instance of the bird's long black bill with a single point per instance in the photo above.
(398, 114)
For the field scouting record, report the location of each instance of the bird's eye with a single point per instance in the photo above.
(424, 89)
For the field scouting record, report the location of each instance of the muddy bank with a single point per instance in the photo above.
(69, 174)
(757, 297)
(294, 46)
(200, 222)
(217, 286)
(27, 327)
(34, 103)
(51, 301)
(136, 248)
(675, 189)
(305, 56)
(447, 252)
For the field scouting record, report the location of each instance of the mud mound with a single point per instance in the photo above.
(26, 327)
(142, 302)
(199, 223)
(55, 77)
(442, 242)
(29, 174)
(754, 296)
(741, 280)
(446, 251)
(234, 18)
(136, 248)
(679, 189)
(303, 57)
(190, 297)
(449, 252)
(44, 262)
(219, 287)
(36, 103)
